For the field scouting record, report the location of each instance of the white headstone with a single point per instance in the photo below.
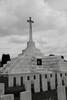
(25, 95)
(1, 88)
(27, 82)
(18, 81)
(37, 84)
(10, 80)
(44, 83)
(65, 80)
(59, 79)
(7, 97)
(52, 81)
(61, 93)
(28, 85)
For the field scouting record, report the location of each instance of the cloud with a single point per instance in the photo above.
(58, 4)
(13, 16)
(17, 39)
(49, 29)
(12, 45)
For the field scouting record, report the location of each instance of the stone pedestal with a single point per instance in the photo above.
(61, 93)
(25, 95)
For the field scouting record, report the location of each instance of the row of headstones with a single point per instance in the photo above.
(61, 93)
(23, 95)
(35, 81)
(28, 80)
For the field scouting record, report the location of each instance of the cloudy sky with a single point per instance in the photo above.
(49, 29)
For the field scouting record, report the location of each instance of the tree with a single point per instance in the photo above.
(5, 58)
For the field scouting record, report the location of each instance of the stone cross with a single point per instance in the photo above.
(30, 28)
